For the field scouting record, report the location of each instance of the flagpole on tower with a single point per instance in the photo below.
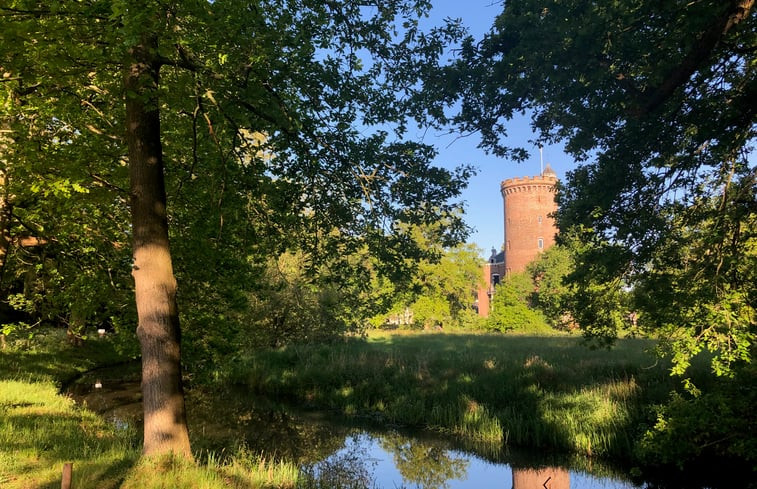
(541, 160)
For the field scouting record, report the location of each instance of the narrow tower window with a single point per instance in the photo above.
(540, 243)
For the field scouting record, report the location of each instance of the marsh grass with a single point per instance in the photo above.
(49, 356)
(239, 471)
(549, 392)
(543, 392)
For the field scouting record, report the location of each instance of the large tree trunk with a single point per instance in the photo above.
(6, 147)
(165, 425)
(5, 211)
(5, 223)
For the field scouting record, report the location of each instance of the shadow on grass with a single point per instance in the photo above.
(40, 431)
(40, 443)
(550, 393)
(53, 358)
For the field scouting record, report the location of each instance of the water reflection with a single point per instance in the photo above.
(392, 460)
(422, 464)
(114, 393)
(547, 478)
(338, 453)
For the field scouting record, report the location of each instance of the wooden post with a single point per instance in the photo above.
(65, 482)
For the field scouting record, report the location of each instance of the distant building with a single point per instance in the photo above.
(530, 229)
(494, 273)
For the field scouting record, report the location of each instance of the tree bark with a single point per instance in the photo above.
(165, 425)
(5, 212)
(5, 223)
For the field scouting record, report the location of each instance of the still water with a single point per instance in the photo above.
(393, 461)
(346, 453)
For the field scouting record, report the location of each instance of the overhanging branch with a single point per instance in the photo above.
(699, 53)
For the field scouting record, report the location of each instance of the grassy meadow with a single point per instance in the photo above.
(547, 392)
(550, 393)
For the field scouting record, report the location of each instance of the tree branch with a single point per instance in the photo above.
(699, 53)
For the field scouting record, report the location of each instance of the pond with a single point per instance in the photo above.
(351, 453)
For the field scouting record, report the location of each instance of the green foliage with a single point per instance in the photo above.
(444, 288)
(655, 99)
(548, 273)
(290, 309)
(441, 290)
(718, 425)
(692, 314)
(277, 142)
(511, 309)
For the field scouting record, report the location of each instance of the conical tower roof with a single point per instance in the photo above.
(548, 172)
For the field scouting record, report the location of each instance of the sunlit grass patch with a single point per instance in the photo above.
(40, 431)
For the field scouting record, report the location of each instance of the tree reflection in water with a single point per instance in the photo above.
(425, 465)
(334, 453)
(422, 464)
(348, 468)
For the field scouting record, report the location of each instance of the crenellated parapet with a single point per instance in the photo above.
(529, 184)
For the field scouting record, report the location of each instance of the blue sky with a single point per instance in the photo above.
(482, 197)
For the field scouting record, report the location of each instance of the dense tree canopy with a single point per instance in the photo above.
(441, 290)
(238, 130)
(656, 102)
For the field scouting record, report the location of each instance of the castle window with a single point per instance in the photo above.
(539, 219)
(495, 279)
(540, 243)
(508, 245)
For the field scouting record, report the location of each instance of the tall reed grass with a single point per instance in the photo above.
(548, 392)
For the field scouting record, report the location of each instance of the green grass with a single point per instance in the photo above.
(41, 430)
(546, 392)
(49, 356)
(241, 471)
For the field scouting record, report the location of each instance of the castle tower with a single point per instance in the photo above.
(547, 478)
(529, 203)
(529, 228)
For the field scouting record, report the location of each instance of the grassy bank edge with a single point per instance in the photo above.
(42, 429)
(544, 392)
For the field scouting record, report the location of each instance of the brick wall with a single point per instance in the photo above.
(529, 227)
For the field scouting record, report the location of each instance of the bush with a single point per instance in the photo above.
(511, 310)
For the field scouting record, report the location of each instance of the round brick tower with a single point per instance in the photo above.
(529, 228)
